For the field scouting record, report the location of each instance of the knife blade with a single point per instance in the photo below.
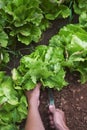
(50, 96)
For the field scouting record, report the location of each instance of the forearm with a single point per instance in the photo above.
(34, 121)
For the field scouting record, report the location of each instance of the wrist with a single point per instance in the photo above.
(33, 107)
(33, 103)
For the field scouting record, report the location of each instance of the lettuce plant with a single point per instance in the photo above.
(73, 40)
(53, 9)
(4, 56)
(23, 19)
(80, 8)
(13, 105)
(26, 20)
(43, 65)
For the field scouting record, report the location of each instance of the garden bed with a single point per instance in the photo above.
(72, 99)
(35, 47)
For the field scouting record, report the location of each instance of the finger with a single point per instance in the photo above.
(52, 126)
(38, 85)
(52, 108)
(51, 118)
(49, 112)
(51, 123)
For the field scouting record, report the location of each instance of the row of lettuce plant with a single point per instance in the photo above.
(47, 64)
(24, 22)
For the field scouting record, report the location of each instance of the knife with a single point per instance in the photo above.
(50, 96)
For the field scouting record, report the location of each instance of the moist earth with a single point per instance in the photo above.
(72, 100)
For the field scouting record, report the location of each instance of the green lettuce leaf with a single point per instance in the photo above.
(43, 65)
(73, 40)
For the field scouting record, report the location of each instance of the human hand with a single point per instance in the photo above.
(57, 118)
(33, 96)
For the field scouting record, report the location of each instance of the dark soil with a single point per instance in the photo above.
(72, 99)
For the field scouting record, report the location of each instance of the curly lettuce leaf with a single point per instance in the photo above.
(43, 65)
(13, 104)
(73, 40)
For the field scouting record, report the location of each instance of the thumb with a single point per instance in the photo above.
(38, 85)
(52, 108)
